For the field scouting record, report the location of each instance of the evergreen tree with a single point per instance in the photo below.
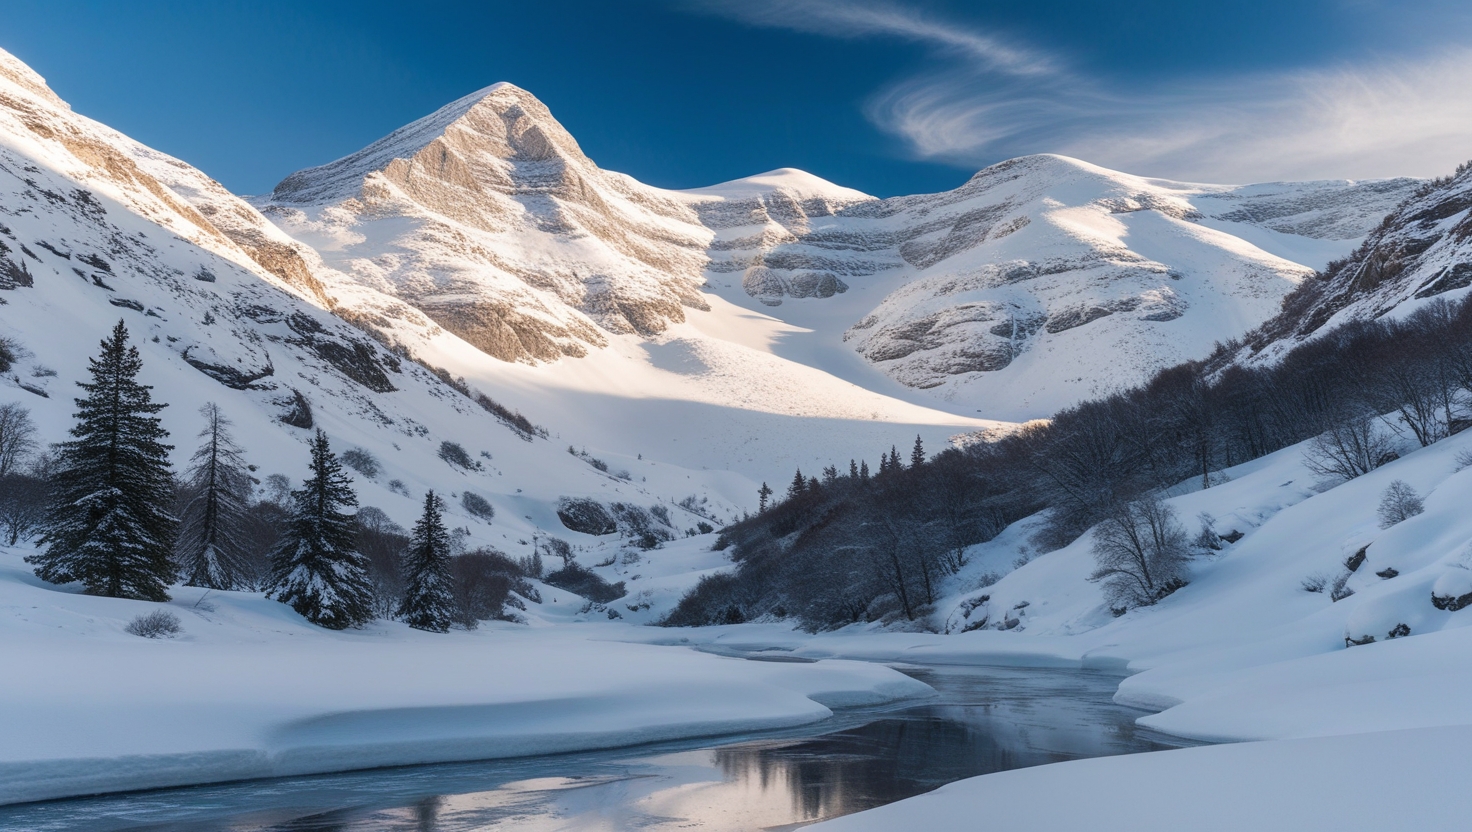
(813, 485)
(864, 470)
(763, 494)
(212, 530)
(109, 524)
(428, 591)
(798, 485)
(315, 566)
(917, 455)
(853, 470)
(830, 475)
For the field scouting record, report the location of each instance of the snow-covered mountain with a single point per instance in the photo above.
(1041, 281)
(488, 217)
(226, 308)
(1044, 280)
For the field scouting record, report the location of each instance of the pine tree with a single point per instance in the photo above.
(428, 594)
(798, 486)
(830, 475)
(109, 524)
(917, 456)
(212, 528)
(864, 470)
(315, 566)
(763, 494)
(853, 470)
(894, 459)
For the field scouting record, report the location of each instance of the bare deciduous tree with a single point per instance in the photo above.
(1353, 447)
(17, 437)
(1141, 550)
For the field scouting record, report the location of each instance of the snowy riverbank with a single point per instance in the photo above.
(250, 690)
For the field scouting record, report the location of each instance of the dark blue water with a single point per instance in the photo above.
(985, 720)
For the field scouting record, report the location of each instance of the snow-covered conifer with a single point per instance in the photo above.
(211, 531)
(315, 566)
(428, 594)
(109, 524)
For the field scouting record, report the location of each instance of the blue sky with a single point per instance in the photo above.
(888, 97)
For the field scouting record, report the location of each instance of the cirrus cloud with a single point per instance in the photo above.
(983, 100)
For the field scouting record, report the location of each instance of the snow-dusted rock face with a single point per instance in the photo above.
(1044, 279)
(1420, 252)
(764, 231)
(148, 182)
(486, 216)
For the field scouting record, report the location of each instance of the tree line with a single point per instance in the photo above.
(852, 547)
(107, 511)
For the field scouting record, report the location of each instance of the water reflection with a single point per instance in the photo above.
(986, 720)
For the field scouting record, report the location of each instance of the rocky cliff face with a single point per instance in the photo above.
(488, 217)
(1420, 252)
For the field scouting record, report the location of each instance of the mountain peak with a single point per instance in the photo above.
(485, 130)
(797, 183)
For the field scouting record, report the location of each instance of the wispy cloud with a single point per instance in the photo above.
(984, 100)
(870, 19)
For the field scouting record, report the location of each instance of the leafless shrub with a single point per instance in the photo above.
(156, 624)
(1400, 502)
(362, 461)
(455, 454)
(477, 505)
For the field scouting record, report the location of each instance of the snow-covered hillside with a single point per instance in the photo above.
(1418, 254)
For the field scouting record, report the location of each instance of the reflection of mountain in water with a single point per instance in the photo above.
(878, 763)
